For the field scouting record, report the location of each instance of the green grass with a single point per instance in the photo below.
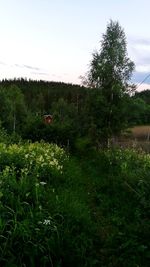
(65, 211)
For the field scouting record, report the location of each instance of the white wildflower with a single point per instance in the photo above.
(47, 222)
(43, 183)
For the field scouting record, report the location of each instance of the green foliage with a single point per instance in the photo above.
(111, 68)
(44, 219)
(139, 111)
(84, 145)
(110, 71)
(3, 135)
(9, 138)
(62, 211)
(78, 112)
(92, 210)
(120, 193)
(13, 110)
(144, 95)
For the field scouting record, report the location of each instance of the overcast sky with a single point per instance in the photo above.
(54, 39)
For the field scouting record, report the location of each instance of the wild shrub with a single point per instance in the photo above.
(44, 219)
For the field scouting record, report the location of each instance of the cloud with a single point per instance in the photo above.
(17, 65)
(22, 66)
(27, 67)
(145, 60)
(3, 63)
(39, 73)
(56, 76)
(31, 67)
(139, 49)
(141, 80)
(138, 77)
(143, 86)
(139, 41)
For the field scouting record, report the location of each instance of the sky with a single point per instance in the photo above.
(53, 40)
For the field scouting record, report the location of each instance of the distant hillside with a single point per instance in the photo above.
(45, 92)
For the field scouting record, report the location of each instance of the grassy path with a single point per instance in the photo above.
(117, 215)
(92, 211)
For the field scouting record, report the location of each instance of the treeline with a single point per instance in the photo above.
(23, 105)
(80, 114)
(39, 95)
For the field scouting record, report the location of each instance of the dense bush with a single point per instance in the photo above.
(61, 211)
(120, 187)
(44, 219)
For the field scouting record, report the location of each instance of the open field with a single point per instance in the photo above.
(135, 137)
(140, 132)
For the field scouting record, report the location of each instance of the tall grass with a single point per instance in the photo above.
(62, 211)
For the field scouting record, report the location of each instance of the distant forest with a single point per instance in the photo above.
(79, 113)
(71, 193)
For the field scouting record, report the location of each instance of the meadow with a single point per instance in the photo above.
(62, 210)
(141, 132)
(137, 137)
(74, 199)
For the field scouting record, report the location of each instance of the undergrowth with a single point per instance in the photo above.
(61, 211)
